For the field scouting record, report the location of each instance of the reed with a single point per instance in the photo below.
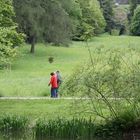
(13, 123)
(63, 128)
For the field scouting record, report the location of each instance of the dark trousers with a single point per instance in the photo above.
(53, 92)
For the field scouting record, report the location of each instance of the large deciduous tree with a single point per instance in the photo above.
(92, 21)
(42, 19)
(135, 23)
(56, 22)
(107, 8)
(9, 38)
(133, 5)
(74, 11)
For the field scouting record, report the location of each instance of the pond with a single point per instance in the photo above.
(31, 136)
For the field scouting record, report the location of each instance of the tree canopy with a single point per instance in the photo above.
(9, 38)
(135, 23)
(42, 20)
(107, 8)
(58, 21)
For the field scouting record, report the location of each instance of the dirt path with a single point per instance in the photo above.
(49, 98)
(42, 98)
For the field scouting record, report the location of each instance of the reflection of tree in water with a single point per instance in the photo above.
(16, 135)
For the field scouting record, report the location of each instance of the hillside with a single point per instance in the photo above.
(30, 74)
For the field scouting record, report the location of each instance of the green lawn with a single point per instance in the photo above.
(48, 109)
(36, 108)
(29, 75)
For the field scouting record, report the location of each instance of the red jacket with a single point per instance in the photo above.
(53, 81)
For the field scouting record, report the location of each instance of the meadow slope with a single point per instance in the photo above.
(29, 75)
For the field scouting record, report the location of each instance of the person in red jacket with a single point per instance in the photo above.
(54, 85)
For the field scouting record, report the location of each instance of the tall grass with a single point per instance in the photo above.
(14, 127)
(67, 129)
(62, 128)
(12, 123)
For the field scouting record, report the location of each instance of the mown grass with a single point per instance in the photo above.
(29, 75)
(49, 109)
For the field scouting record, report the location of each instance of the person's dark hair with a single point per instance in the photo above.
(52, 73)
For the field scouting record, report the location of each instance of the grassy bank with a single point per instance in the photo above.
(17, 127)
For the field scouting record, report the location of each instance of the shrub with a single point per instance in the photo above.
(9, 37)
(111, 83)
(135, 23)
(115, 32)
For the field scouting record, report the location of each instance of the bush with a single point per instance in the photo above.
(9, 37)
(135, 23)
(115, 32)
(7, 55)
(111, 83)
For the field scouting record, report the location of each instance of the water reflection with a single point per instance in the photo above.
(30, 136)
(20, 135)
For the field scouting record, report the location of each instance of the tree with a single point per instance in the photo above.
(73, 9)
(9, 38)
(135, 23)
(42, 20)
(133, 5)
(92, 20)
(57, 23)
(120, 18)
(107, 8)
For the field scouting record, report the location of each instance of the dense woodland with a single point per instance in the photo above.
(60, 21)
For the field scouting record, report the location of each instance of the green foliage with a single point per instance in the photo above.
(108, 13)
(7, 55)
(98, 21)
(9, 38)
(6, 13)
(125, 120)
(13, 123)
(135, 23)
(72, 7)
(110, 78)
(58, 21)
(74, 11)
(133, 6)
(43, 20)
(121, 19)
(61, 128)
(92, 21)
(115, 32)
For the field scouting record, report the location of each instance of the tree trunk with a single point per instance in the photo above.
(32, 50)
